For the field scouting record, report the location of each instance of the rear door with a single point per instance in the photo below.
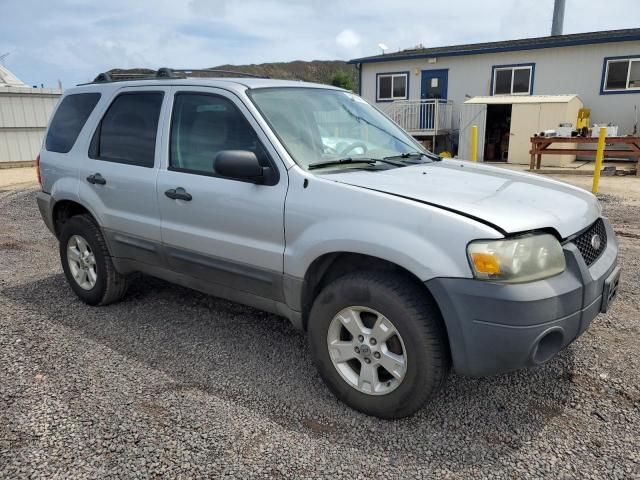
(118, 176)
(229, 232)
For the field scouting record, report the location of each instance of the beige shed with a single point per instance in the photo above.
(507, 123)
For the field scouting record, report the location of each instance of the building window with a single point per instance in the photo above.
(621, 74)
(512, 79)
(392, 86)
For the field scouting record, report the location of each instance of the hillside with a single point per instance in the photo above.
(320, 71)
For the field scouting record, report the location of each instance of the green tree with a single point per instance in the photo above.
(344, 80)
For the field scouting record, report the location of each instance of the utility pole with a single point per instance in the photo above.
(558, 17)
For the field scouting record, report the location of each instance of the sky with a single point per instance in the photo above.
(73, 40)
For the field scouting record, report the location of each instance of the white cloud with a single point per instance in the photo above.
(348, 39)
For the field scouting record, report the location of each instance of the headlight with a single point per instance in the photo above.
(522, 259)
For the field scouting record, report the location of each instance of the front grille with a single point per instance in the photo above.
(584, 242)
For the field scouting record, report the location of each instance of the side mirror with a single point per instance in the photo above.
(239, 164)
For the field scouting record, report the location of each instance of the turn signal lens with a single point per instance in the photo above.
(486, 263)
(521, 259)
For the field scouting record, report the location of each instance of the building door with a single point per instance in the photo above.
(434, 86)
(525, 121)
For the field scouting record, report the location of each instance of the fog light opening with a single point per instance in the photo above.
(548, 346)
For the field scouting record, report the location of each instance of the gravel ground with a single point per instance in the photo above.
(173, 383)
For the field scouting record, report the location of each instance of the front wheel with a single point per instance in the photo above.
(378, 344)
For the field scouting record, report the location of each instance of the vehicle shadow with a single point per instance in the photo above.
(260, 362)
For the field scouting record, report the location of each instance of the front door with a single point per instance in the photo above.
(434, 84)
(220, 230)
(433, 87)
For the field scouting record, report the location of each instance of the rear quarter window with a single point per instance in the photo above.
(68, 120)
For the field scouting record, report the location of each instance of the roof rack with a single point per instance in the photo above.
(170, 73)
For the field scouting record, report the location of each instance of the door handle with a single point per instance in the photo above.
(96, 179)
(178, 194)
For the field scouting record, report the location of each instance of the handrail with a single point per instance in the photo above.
(423, 116)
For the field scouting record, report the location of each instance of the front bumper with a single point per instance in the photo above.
(494, 327)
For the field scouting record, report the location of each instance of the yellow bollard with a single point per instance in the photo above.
(599, 159)
(474, 143)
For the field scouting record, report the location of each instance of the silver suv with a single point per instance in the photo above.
(305, 201)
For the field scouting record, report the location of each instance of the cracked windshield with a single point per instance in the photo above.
(322, 128)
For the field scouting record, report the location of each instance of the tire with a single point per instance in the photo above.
(109, 285)
(421, 345)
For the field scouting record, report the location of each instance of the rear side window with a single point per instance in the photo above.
(68, 120)
(127, 132)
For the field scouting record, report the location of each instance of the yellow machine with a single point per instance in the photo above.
(583, 119)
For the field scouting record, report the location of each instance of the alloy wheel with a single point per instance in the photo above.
(82, 262)
(367, 350)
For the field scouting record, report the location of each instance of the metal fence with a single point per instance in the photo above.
(24, 113)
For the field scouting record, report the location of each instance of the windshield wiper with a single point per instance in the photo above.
(403, 156)
(341, 161)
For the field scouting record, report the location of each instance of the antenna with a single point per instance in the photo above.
(383, 47)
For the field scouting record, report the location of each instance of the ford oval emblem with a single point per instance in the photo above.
(596, 241)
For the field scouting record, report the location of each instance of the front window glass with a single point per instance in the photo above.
(203, 125)
(322, 125)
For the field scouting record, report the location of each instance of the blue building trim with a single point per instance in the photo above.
(604, 73)
(507, 48)
(514, 65)
(378, 75)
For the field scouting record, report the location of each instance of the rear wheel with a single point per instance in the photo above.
(87, 264)
(378, 344)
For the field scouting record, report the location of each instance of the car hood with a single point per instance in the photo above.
(511, 201)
